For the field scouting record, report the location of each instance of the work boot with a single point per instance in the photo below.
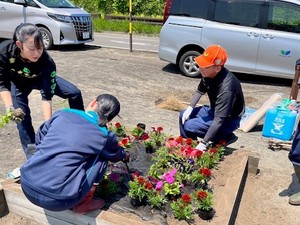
(231, 138)
(295, 198)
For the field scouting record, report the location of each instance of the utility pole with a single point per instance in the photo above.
(130, 24)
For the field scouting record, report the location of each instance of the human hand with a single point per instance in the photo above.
(186, 114)
(17, 115)
(201, 146)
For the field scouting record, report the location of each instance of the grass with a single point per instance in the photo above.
(101, 25)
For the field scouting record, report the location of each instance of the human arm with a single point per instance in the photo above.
(196, 97)
(112, 151)
(47, 109)
(6, 98)
(48, 86)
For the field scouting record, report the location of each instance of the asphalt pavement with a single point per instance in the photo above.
(124, 41)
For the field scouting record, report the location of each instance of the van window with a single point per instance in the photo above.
(190, 8)
(57, 3)
(245, 13)
(32, 3)
(284, 17)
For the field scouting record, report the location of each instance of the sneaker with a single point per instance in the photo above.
(231, 138)
(14, 174)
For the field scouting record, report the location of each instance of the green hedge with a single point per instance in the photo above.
(151, 8)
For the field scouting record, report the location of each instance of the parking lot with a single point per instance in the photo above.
(139, 79)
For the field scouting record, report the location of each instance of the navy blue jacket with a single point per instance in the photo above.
(72, 152)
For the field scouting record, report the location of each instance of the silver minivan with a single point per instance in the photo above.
(61, 22)
(261, 36)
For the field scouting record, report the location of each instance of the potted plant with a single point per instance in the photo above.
(139, 189)
(182, 208)
(118, 129)
(203, 200)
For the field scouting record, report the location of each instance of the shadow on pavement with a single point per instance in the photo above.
(71, 48)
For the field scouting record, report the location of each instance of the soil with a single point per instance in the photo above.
(139, 79)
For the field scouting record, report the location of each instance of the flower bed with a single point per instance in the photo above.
(178, 178)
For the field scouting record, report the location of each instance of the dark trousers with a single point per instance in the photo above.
(64, 89)
(200, 121)
(294, 154)
(51, 203)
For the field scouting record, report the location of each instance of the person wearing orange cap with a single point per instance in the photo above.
(214, 123)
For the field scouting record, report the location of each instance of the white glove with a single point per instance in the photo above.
(186, 114)
(201, 147)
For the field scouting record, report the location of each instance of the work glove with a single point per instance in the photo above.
(17, 115)
(201, 146)
(126, 158)
(186, 114)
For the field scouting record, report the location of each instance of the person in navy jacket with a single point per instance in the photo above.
(72, 152)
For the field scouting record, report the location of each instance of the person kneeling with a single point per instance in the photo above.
(72, 152)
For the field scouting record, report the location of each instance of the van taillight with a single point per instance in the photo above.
(167, 10)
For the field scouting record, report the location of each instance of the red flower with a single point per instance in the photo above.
(125, 141)
(205, 171)
(118, 125)
(141, 180)
(145, 136)
(135, 174)
(179, 140)
(159, 129)
(186, 198)
(201, 195)
(213, 150)
(189, 141)
(149, 186)
(223, 142)
(196, 153)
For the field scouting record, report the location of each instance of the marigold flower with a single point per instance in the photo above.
(201, 195)
(179, 140)
(186, 198)
(159, 129)
(141, 180)
(148, 186)
(213, 150)
(125, 141)
(135, 174)
(205, 171)
(189, 141)
(145, 136)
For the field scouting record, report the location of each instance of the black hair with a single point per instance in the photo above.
(108, 107)
(26, 30)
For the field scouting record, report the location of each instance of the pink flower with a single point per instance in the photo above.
(173, 171)
(159, 185)
(170, 179)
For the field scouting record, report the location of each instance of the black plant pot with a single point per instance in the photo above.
(150, 149)
(206, 215)
(136, 202)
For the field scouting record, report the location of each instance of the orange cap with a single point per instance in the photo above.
(213, 55)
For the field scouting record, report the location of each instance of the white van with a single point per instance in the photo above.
(60, 21)
(261, 36)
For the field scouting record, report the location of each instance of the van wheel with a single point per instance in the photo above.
(187, 64)
(47, 38)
